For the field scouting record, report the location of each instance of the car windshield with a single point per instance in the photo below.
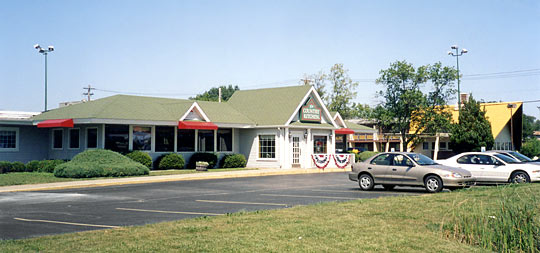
(506, 158)
(520, 156)
(422, 159)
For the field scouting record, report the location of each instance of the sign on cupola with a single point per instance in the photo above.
(310, 112)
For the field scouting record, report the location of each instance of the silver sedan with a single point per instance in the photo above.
(410, 169)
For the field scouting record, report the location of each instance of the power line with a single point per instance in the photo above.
(145, 93)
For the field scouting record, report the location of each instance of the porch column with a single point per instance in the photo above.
(436, 150)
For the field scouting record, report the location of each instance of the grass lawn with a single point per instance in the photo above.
(18, 178)
(392, 224)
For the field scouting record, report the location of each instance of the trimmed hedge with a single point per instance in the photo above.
(365, 155)
(155, 164)
(7, 167)
(172, 162)
(210, 158)
(100, 163)
(32, 166)
(141, 157)
(233, 161)
(49, 165)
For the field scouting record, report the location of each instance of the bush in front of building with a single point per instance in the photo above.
(141, 157)
(32, 166)
(210, 158)
(4, 167)
(233, 161)
(49, 165)
(360, 157)
(7, 167)
(531, 148)
(172, 161)
(100, 163)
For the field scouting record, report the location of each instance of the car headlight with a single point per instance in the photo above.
(536, 171)
(454, 175)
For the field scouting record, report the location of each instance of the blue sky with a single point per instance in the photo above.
(182, 48)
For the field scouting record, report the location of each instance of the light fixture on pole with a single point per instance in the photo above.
(44, 52)
(457, 55)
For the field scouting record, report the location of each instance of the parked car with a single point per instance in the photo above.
(410, 169)
(517, 156)
(491, 167)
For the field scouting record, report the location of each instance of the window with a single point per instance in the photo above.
(476, 159)
(224, 139)
(433, 145)
(267, 146)
(443, 145)
(425, 145)
(319, 144)
(206, 141)
(9, 138)
(142, 138)
(91, 137)
(74, 140)
(401, 160)
(58, 138)
(185, 140)
(117, 138)
(164, 139)
(384, 159)
(341, 143)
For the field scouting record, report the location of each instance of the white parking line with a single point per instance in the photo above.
(160, 211)
(305, 196)
(239, 202)
(68, 223)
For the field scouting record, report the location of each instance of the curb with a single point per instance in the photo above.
(159, 179)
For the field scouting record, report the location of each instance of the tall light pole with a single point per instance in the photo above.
(457, 55)
(44, 51)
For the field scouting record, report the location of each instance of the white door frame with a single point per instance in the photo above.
(301, 146)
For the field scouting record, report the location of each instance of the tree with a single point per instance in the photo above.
(531, 148)
(213, 93)
(530, 124)
(343, 91)
(363, 111)
(318, 81)
(473, 130)
(405, 109)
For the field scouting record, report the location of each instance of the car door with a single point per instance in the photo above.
(401, 170)
(379, 167)
(499, 172)
(472, 164)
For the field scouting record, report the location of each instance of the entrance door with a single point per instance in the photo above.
(296, 151)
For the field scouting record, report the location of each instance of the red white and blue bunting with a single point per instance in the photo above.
(342, 160)
(321, 160)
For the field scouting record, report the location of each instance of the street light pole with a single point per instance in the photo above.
(457, 55)
(44, 52)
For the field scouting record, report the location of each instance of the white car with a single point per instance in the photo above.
(490, 167)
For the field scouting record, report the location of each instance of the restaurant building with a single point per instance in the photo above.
(288, 127)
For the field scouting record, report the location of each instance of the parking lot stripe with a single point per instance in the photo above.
(68, 223)
(306, 196)
(239, 202)
(334, 191)
(160, 211)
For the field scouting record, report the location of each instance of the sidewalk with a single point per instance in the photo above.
(166, 178)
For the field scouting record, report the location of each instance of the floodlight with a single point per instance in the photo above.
(51, 48)
(464, 51)
(449, 52)
(454, 46)
(37, 46)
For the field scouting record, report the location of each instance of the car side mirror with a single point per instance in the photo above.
(497, 163)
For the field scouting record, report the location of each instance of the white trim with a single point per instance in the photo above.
(86, 137)
(199, 110)
(16, 129)
(338, 115)
(102, 137)
(319, 100)
(123, 122)
(52, 138)
(259, 158)
(69, 138)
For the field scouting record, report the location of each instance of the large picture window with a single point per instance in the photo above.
(165, 139)
(341, 143)
(267, 146)
(142, 138)
(8, 138)
(58, 138)
(74, 141)
(91, 137)
(224, 138)
(185, 140)
(319, 144)
(117, 138)
(206, 141)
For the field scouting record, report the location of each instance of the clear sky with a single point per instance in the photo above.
(181, 48)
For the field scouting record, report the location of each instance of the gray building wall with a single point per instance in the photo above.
(67, 153)
(33, 144)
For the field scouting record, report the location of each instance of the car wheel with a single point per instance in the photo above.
(365, 182)
(433, 184)
(519, 177)
(388, 187)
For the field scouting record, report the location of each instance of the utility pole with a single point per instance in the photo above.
(88, 91)
(457, 55)
(44, 51)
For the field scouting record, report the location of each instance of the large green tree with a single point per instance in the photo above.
(530, 124)
(473, 130)
(318, 81)
(405, 108)
(213, 93)
(343, 91)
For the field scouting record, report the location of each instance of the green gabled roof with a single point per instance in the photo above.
(223, 113)
(273, 106)
(122, 107)
(314, 125)
(359, 128)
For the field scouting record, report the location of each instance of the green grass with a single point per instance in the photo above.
(393, 224)
(19, 178)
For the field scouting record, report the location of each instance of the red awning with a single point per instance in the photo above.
(197, 125)
(344, 131)
(56, 123)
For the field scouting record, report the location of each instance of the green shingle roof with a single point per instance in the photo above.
(273, 106)
(359, 128)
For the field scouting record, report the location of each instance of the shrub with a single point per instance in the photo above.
(210, 158)
(531, 148)
(155, 164)
(365, 155)
(5, 167)
(100, 163)
(49, 165)
(233, 161)
(32, 166)
(172, 162)
(17, 167)
(141, 157)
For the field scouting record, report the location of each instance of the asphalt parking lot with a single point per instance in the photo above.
(31, 214)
